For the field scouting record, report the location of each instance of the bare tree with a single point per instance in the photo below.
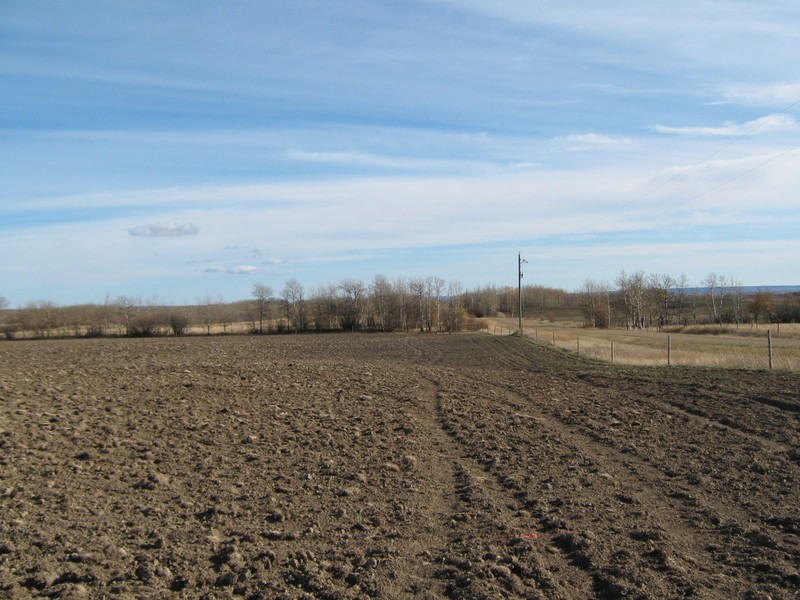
(178, 321)
(126, 307)
(632, 289)
(596, 303)
(681, 291)
(293, 296)
(262, 294)
(715, 288)
(435, 290)
(661, 289)
(419, 291)
(455, 317)
(762, 306)
(381, 290)
(3, 303)
(326, 307)
(208, 312)
(354, 294)
(736, 310)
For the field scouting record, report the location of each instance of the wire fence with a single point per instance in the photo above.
(662, 349)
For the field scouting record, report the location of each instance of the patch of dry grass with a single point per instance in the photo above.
(744, 350)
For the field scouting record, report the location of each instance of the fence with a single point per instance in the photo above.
(653, 349)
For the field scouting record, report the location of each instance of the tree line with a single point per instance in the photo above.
(638, 301)
(634, 300)
(402, 304)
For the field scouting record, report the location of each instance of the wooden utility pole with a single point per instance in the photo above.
(520, 260)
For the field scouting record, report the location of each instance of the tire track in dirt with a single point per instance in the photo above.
(735, 412)
(494, 548)
(485, 535)
(381, 466)
(647, 486)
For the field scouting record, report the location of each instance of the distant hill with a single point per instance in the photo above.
(752, 289)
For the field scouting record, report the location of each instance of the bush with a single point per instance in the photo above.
(178, 323)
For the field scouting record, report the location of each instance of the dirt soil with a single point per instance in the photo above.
(390, 466)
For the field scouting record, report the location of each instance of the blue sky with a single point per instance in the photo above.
(177, 150)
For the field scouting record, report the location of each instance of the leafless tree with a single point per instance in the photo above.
(435, 290)
(126, 307)
(293, 296)
(715, 289)
(681, 292)
(455, 317)
(354, 294)
(595, 297)
(208, 312)
(632, 289)
(325, 306)
(178, 321)
(762, 306)
(262, 293)
(381, 291)
(736, 306)
(418, 289)
(661, 286)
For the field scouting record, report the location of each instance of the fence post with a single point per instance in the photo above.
(669, 350)
(577, 344)
(612, 352)
(554, 339)
(536, 334)
(769, 347)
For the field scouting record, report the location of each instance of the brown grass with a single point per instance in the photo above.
(745, 349)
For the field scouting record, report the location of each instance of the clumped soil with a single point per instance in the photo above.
(390, 466)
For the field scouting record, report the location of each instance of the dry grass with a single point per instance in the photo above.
(746, 349)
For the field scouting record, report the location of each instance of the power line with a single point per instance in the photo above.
(711, 189)
(756, 127)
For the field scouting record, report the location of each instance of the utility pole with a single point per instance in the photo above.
(520, 260)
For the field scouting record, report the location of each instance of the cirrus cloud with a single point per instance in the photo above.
(593, 141)
(770, 123)
(237, 270)
(170, 229)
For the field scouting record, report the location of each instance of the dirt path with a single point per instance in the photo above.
(353, 467)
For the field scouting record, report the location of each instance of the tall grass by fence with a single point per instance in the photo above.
(767, 351)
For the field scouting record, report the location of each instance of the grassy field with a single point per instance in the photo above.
(746, 347)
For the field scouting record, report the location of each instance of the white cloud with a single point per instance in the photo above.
(593, 141)
(363, 159)
(343, 157)
(164, 230)
(237, 270)
(774, 94)
(777, 122)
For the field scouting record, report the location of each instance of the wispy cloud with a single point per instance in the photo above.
(459, 129)
(777, 122)
(350, 157)
(772, 94)
(593, 141)
(164, 230)
(237, 270)
(355, 158)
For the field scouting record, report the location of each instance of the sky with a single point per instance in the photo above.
(188, 149)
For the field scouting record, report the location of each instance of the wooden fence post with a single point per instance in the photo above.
(669, 350)
(612, 352)
(769, 347)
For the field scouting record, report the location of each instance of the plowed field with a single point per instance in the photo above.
(372, 466)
